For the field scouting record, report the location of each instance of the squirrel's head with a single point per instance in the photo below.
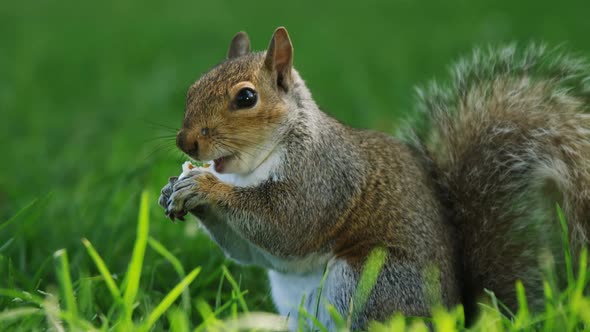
(234, 111)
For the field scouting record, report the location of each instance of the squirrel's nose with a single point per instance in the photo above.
(194, 149)
(188, 145)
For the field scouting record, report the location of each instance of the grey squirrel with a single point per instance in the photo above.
(470, 189)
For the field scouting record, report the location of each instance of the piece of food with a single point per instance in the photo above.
(187, 166)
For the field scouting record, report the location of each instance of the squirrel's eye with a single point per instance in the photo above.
(246, 98)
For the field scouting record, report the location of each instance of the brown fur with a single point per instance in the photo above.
(511, 139)
(339, 191)
(471, 197)
(209, 105)
(397, 207)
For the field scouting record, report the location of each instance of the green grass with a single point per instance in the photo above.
(90, 96)
(71, 306)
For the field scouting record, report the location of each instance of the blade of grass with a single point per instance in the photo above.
(497, 303)
(445, 320)
(549, 308)
(522, 316)
(209, 318)
(321, 289)
(83, 324)
(301, 323)
(585, 310)
(337, 318)
(6, 244)
(227, 304)
(566, 245)
(314, 320)
(169, 299)
(368, 279)
(13, 293)
(234, 307)
(219, 290)
(397, 323)
(20, 212)
(179, 320)
(65, 281)
(136, 264)
(37, 277)
(490, 318)
(160, 249)
(103, 270)
(18, 313)
(581, 280)
(86, 290)
(236, 288)
(11, 278)
(578, 292)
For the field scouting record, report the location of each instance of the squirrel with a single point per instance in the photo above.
(469, 189)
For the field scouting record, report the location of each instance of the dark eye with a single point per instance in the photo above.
(246, 98)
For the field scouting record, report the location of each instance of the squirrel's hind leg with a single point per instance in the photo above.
(398, 288)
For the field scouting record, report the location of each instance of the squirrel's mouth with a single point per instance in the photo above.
(220, 163)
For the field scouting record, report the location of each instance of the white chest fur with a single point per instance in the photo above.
(288, 290)
(263, 172)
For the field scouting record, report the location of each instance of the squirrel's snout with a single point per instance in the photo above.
(187, 145)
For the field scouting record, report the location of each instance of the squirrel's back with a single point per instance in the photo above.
(509, 138)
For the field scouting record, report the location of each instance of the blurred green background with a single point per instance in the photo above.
(91, 91)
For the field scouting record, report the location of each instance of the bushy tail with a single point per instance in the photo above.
(509, 138)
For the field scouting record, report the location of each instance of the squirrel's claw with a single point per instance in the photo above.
(180, 196)
(165, 200)
(180, 215)
(185, 196)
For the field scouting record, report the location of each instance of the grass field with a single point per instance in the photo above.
(90, 93)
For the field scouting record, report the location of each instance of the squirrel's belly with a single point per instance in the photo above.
(288, 290)
(294, 291)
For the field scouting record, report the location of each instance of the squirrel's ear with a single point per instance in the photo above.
(279, 57)
(240, 45)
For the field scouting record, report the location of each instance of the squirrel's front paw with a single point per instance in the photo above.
(165, 196)
(186, 195)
